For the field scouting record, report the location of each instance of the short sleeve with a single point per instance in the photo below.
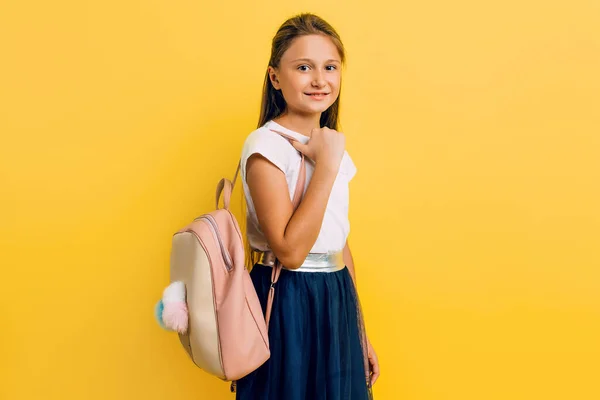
(271, 146)
(349, 167)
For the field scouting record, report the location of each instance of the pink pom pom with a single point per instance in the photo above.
(175, 316)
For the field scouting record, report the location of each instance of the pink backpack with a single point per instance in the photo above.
(211, 301)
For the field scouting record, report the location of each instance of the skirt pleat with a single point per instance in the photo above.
(314, 336)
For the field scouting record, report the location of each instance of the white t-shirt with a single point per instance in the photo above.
(278, 150)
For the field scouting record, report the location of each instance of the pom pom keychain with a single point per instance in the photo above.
(171, 312)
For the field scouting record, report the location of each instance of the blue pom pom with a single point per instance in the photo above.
(158, 311)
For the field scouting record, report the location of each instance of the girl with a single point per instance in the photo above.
(317, 338)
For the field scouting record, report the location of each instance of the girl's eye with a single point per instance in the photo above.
(303, 68)
(331, 67)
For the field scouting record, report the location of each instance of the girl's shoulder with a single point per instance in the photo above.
(280, 152)
(266, 137)
(271, 146)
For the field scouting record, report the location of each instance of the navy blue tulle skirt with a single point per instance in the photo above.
(316, 338)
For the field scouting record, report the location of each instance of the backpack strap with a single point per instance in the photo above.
(225, 186)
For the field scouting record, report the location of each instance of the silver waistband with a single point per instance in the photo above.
(314, 262)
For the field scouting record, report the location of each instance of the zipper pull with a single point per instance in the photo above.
(233, 386)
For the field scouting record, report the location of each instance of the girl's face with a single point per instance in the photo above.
(309, 75)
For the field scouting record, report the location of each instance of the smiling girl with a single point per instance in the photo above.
(319, 349)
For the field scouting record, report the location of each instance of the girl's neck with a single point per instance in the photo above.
(303, 124)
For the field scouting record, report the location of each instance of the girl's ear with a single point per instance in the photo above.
(274, 79)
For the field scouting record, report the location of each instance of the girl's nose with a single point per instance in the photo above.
(318, 79)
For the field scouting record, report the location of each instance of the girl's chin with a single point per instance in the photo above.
(317, 108)
(308, 109)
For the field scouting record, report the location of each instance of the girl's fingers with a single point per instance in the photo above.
(374, 368)
(304, 149)
(301, 147)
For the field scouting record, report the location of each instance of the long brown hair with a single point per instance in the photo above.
(273, 104)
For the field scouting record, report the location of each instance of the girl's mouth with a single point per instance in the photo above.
(317, 96)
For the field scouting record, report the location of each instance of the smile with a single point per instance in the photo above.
(317, 96)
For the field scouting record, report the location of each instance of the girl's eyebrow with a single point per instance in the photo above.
(311, 61)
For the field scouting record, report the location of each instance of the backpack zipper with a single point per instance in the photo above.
(212, 223)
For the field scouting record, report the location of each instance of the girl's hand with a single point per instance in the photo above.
(373, 363)
(325, 146)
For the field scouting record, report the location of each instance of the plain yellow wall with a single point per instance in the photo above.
(475, 213)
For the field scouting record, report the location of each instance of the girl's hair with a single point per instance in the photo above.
(273, 103)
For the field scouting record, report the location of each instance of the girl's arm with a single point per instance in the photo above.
(373, 360)
(290, 234)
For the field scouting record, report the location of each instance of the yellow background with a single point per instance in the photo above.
(475, 213)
